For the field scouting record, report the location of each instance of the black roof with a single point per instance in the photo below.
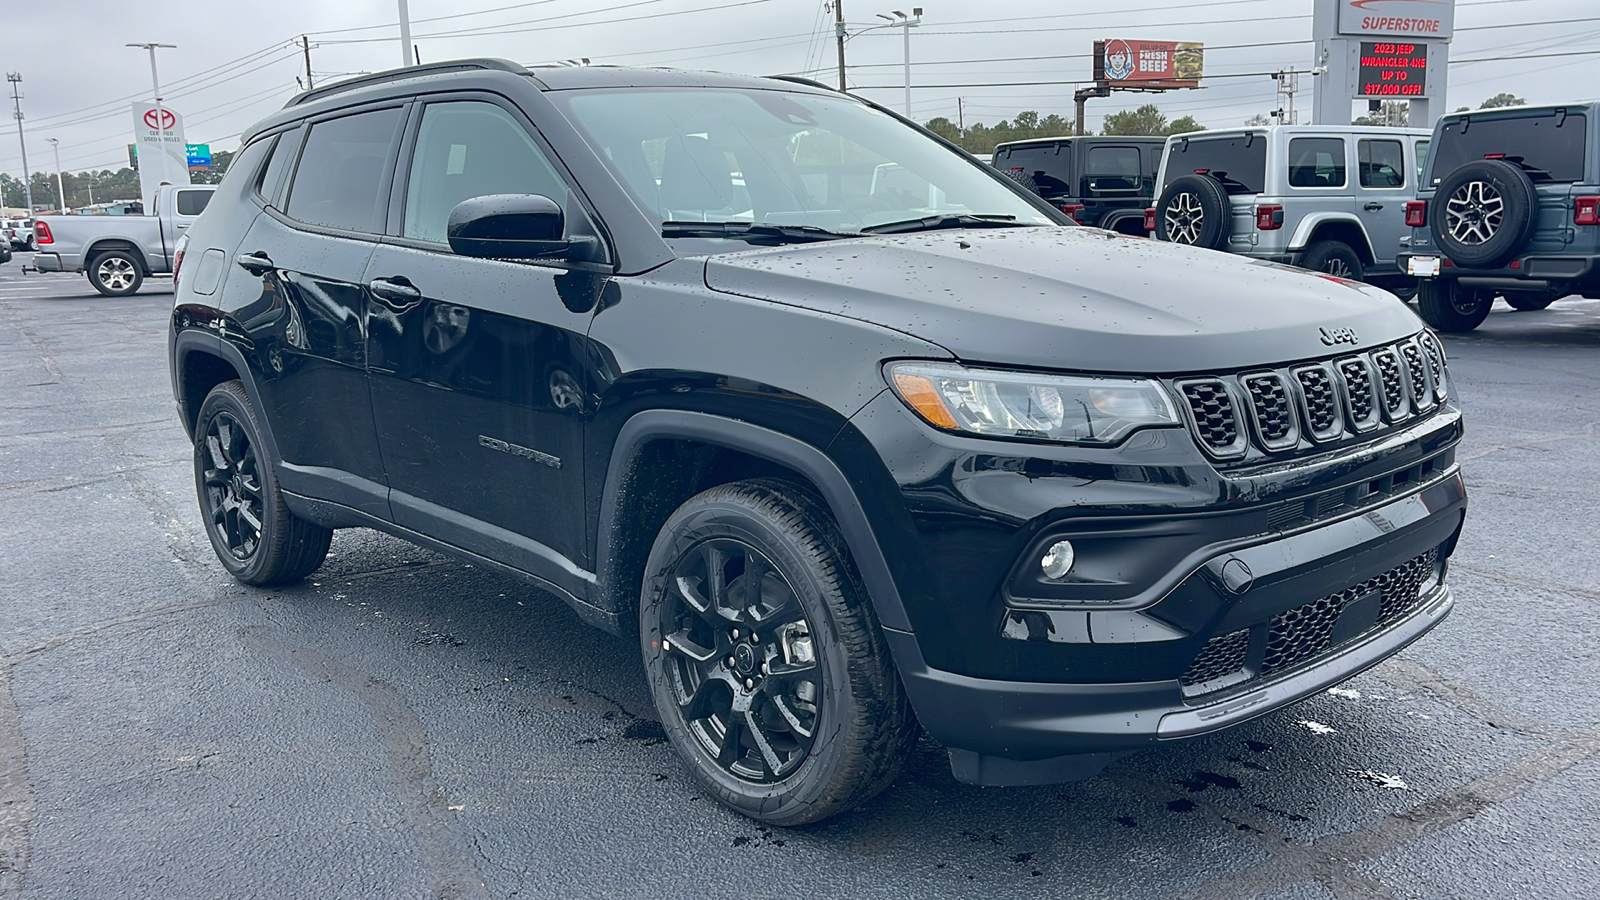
(1118, 138)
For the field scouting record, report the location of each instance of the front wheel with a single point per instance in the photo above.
(1529, 302)
(764, 658)
(257, 538)
(116, 274)
(1449, 307)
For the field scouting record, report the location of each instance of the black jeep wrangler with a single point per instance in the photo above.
(1102, 182)
(848, 431)
(1510, 206)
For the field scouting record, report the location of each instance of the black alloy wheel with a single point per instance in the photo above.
(1448, 306)
(764, 658)
(258, 540)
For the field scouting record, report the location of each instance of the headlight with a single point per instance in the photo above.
(993, 403)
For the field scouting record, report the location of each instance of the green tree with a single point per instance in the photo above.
(1503, 99)
(1147, 119)
(1259, 119)
(981, 138)
(1183, 124)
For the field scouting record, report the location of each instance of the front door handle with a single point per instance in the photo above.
(1373, 207)
(257, 263)
(397, 292)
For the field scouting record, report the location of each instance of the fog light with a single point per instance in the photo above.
(1057, 561)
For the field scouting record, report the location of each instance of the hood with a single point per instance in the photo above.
(1072, 298)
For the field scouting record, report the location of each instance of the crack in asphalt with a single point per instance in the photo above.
(16, 794)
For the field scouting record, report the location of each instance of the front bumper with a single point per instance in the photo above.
(1331, 582)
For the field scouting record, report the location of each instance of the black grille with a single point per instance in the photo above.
(1394, 389)
(1358, 387)
(1214, 416)
(1219, 658)
(1419, 380)
(1322, 405)
(1306, 632)
(1274, 413)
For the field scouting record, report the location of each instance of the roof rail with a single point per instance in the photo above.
(454, 65)
(796, 79)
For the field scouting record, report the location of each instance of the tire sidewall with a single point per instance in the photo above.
(1321, 252)
(94, 274)
(1516, 224)
(1435, 305)
(705, 518)
(229, 397)
(1214, 206)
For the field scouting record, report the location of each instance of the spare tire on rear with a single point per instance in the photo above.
(1194, 210)
(1482, 213)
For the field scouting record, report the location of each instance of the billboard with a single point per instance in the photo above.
(1152, 64)
(197, 155)
(163, 157)
(1398, 18)
(1392, 69)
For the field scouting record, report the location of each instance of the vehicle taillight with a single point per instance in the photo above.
(1586, 210)
(1149, 219)
(1072, 209)
(1416, 213)
(177, 258)
(41, 233)
(1269, 217)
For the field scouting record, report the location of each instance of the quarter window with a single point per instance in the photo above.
(1111, 169)
(339, 182)
(1316, 162)
(471, 149)
(192, 203)
(1381, 164)
(1422, 158)
(270, 185)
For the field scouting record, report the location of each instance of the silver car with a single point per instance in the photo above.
(1325, 197)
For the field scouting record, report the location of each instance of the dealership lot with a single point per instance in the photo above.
(402, 724)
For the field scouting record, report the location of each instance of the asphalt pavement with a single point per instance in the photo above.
(405, 725)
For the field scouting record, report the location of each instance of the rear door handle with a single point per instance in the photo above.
(256, 263)
(1373, 207)
(397, 292)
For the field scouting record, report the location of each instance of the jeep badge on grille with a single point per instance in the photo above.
(1332, 336)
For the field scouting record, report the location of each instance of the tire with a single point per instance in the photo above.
(1022, 177)
(1449, 307)
(1333, 258)
(1482, 214)
(116, 273)
(1194, 210)
(790, 760)
(236, 482)
(1523, 301)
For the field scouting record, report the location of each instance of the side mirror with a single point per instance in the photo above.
(508, 226)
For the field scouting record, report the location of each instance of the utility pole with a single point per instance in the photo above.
(16, 104)
(1288, 85)
(961, 116)
(305, 45)
(838, 33)
(405, 34)
(60, 189)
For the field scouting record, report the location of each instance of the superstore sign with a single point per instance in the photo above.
(1392, 69)
(1398, 18)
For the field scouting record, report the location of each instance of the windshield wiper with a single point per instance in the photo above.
(755, 232)
(934, 223)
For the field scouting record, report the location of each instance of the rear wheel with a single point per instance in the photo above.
(257, 538)
(765, 660)
(116, 273)
(1528, 302)
(1449, 307)
(1333, 258)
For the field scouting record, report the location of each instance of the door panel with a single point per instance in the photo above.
(1385, 181)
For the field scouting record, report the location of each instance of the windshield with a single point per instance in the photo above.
(783, 158)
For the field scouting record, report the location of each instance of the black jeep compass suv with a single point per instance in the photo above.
(849, 431)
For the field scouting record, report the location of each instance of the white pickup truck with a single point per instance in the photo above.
(119, 252)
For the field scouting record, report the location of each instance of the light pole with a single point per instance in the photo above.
(56, 146)
(16, 103)
(405, 34)
(161, 125)
(905, 22)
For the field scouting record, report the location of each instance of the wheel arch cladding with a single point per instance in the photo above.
(198, 358)
(1345, 231)
(663, 457)
(94, 251)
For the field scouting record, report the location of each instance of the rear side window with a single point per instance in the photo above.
(339, 182)
(1049, 164)
(1316, 162)
(192, 203)
(1240, 162)
(1111, 169)
(1381, 164)
(246, 164)
(1548, 146)
(1422, 157)
(471, 149)
(270, 184)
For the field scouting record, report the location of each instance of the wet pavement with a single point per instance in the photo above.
(405, 725)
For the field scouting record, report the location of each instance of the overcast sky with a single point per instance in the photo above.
(236, 61)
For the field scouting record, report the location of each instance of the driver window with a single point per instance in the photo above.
(470, 149)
